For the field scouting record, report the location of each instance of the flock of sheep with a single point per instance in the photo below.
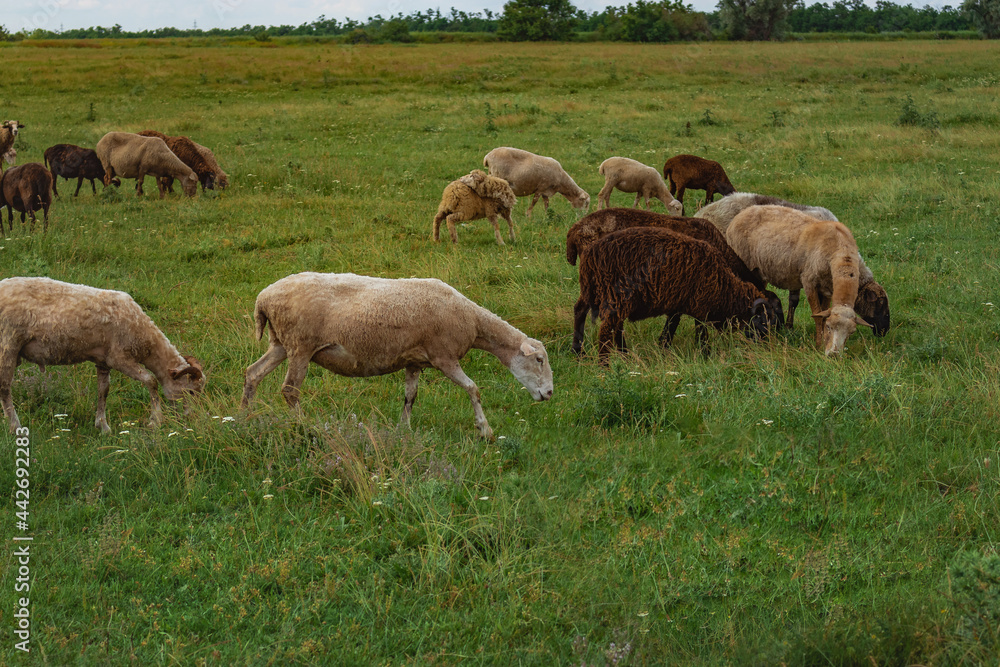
(634, 264)
(28, 188)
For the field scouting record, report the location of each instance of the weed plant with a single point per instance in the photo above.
(765, 505)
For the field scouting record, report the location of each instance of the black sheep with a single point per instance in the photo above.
(71, 161)
(644, 272)
(26, 188)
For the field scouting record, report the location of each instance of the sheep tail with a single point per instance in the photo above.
(261, 320)
(571, 253)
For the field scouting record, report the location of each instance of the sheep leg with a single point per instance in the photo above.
(510, 225)
(103, 385)
(79, 184)
(534, 201)
(669, 329)
(451, 220)
(134, 370)
(545, 202)
(8, 364)
(816, 304)
(680, 197)
(610, 336)
(410, 395)
(436, 229)
(580, 311)
(702, 337)
(92, 186)
(454, 372)
(604, 196)
(259, 370)
(793, 302)
(635, 204)
(496, 229)
(55, 181)
(138, 184)
(296, 374)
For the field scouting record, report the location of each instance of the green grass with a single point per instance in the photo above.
(763, 506)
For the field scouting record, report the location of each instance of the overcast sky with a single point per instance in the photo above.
(64, 14)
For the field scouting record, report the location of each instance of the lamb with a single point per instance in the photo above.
(71, 161)
(52, 323)
(644, 272)
(630, 176)
(474, 196)
(684, 172)
(189, 154)
(793, 251)
(8, 133)
(359, 326)
(529, 174)
(26, 188)
(131, 156)
(872, 303)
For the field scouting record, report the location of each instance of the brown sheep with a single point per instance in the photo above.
(189, 154)
(643, 272)
(131, 156)
(221, 177)
(71, 161)
(26, 188)
(683, 172)
(52, 323)
(601, 223)
(474, 196)
(793, 251)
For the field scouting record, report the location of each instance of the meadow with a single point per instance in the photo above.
(765, 505)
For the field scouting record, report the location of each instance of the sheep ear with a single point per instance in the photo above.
(858, 320)
(825, 314)
(527, 349)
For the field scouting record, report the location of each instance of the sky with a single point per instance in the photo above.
(59, 15)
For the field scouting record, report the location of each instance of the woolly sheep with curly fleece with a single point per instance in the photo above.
(476, 195)
(643, 272)
(358, 326)
(793, 251)
(52, 323)
(872, 303)
(631, 176)
(529, 174)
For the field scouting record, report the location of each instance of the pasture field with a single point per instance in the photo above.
(765, 505)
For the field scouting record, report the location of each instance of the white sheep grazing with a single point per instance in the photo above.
(631, 176)
(8, 133)
(51, 323)
(128, 155)
(530, 174)
(793, 251)
(359, 326)
(722, 212)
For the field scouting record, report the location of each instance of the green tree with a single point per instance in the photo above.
(986, 15)
(756, 20)
(536, 20)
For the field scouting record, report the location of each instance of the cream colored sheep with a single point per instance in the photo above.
(872, 304)
(793, 251)
(474, 196)
(631, 176)
(51, 323)
(8, 133)
(358, 326)
(128, 155)
(529, 174)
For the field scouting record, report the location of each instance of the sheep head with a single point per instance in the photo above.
(190, 184)
(13, 126)
(530, 365)
(765, 315)
(186, 379)
(873, 305)
(675, 208)
(837, 324)
(581, 202)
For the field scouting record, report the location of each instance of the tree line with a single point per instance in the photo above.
(638, 21)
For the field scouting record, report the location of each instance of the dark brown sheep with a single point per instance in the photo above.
(645, 272)
(690, 172)
(599, 224)
(26, 188)
(71, 161)
(189, 154)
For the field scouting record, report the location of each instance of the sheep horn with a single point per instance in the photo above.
(859, 320)
(757, 304)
